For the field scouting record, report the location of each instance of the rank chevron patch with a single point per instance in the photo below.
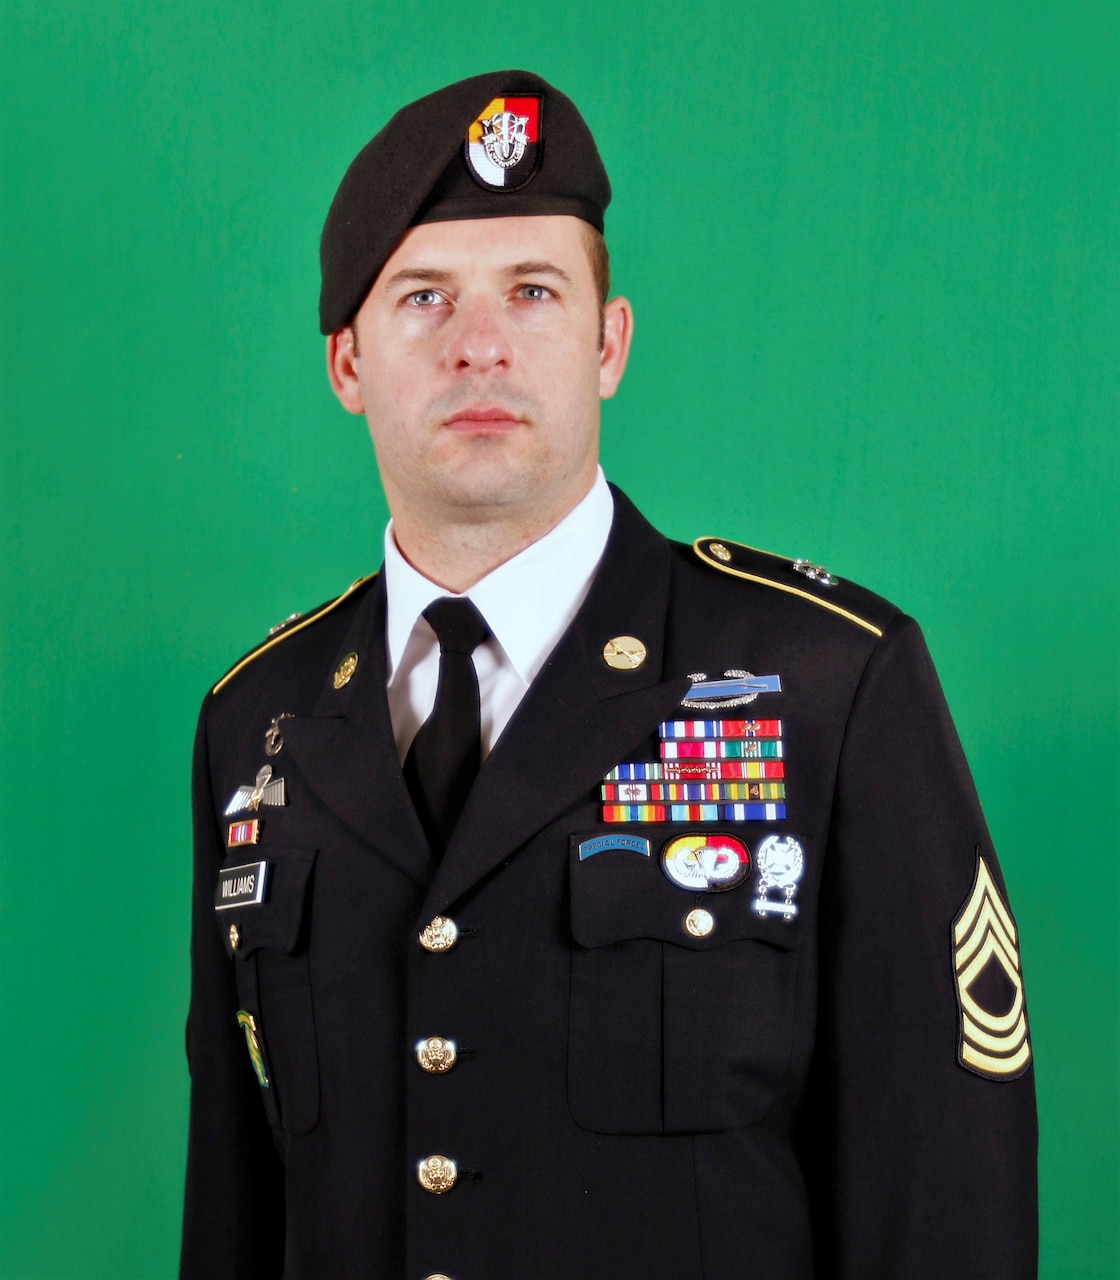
(993, 1040)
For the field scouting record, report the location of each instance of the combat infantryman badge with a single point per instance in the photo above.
(735, 690)
(503, 145)
(992, 1043)
(266, 790)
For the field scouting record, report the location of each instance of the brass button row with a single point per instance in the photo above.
(436, 1054)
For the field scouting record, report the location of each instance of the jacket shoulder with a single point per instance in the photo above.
(291, 626)
(799, 578)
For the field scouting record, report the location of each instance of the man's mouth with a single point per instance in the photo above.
(483, 418)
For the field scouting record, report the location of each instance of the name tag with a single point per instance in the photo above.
(240, 886)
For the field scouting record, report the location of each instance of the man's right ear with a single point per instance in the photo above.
(342, 370)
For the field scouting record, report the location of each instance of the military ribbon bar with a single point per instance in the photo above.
(693, 812)
(697, 770)
(672, 729)
(645, 792)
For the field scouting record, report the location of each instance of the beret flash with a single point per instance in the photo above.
(498, 145)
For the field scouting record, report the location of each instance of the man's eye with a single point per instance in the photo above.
(424, 298)
(534, 292)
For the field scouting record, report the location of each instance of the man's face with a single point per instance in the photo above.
(478, 366)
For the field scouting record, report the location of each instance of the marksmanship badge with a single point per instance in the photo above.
(503, 144)
(993, 1038)
(781, 864)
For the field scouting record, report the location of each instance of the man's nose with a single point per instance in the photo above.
(478, 337)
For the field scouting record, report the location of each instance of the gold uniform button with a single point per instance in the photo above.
(441, 934)
(437, 1174)
(234, 936)
(437, 1275)
(699, 922)
(719, 551)
(345, 670)
(436, 1055)
(624, 653)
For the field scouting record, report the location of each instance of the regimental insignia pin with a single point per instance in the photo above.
(503, 147)
(993, 1020)
(613, 844)
(266, 790)
(815, 573)
(248, 1024)
(244, 833)
(283, 626)
(735, 690)
(706, 863)
(781, 864)
(240, 886)
(345, 670)
(624, 653)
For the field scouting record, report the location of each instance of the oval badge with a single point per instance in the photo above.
(706, 863)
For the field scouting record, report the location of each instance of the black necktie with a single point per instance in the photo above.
(443, 761)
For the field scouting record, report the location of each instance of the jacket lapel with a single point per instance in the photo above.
(579, 718)
(347, 754)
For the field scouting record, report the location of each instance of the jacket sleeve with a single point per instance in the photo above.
(933, 1168)
(233, 1218)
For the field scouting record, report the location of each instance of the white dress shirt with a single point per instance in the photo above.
(527, 602)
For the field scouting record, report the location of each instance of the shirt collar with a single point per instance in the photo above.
(528, 601)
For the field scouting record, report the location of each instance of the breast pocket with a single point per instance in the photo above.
(682, 1002)
(268, 939)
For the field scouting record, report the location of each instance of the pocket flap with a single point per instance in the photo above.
(620, 892)
(276, 919)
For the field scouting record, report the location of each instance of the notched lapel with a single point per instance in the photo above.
(347, 754)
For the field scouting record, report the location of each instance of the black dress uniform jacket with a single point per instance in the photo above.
(780, 1098)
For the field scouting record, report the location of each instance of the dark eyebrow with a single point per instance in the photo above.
(538, 269)
(418, 275)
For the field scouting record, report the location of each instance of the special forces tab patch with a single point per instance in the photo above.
(993, 1021)
(503, 145)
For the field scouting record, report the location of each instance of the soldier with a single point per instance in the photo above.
(569, 902)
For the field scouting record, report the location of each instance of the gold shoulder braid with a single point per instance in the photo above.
(769, 570)
(289, 627)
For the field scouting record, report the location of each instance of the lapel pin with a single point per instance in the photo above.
(624, 653)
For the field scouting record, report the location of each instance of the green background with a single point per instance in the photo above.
(873, 254)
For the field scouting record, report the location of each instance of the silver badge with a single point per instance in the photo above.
(266, 790)
(504, 138)
(781, 864)
(736, 689)
(815, 572)
(273, 742)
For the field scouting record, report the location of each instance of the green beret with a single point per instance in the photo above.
(497, 145)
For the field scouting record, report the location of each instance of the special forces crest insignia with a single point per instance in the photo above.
(503, 144)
